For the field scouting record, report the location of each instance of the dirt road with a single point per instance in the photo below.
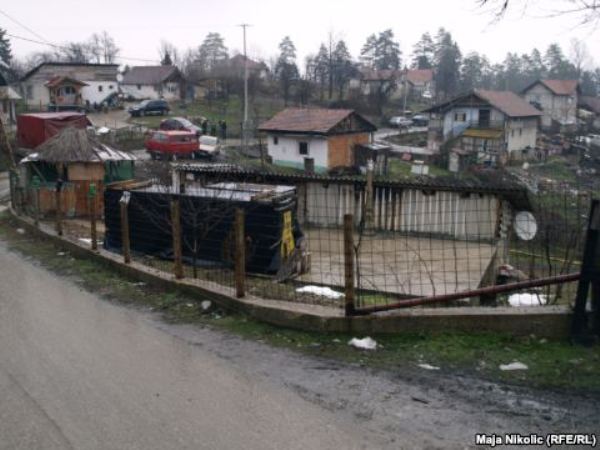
(80, 372)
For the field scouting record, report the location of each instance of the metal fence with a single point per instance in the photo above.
(357, 244)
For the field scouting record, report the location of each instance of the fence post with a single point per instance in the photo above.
(35, 184)
(240, 253)
(176, 230)
(369, 197)
(125, 244)
(57, 193)
(349, 264)
(590, 272)
(92, 203)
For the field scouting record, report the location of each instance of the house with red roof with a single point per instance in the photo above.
(328, 136)
(488, 127)
(557, 100)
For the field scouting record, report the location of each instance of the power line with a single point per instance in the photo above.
(63, 47)
(24, 26)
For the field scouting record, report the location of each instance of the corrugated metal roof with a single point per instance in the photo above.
(309, 120)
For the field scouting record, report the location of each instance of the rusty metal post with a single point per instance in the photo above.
(176, 230)
(92, 203)
(240, 253)
(590, 273)
(125, 243)
(349, 264)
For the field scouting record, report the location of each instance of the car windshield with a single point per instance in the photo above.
(185, 122)
(144, 103)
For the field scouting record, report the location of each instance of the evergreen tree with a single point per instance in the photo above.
(447, 58)
(5, 49)
(387, 52)
(286, 69)
(212, 52)
(422, 57)
(343, 69)
(166, 59)
(367, 53)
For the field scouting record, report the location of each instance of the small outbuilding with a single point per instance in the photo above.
(328, 136)
(72, 160)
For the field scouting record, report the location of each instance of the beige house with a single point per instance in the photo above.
(556, 99)
(489, 127)
(153, 82)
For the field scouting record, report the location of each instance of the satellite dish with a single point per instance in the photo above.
(525, 225)
(120, 77)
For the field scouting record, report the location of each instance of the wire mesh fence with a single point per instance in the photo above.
(403, 241)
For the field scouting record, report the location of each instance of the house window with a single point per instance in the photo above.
(275, 140)
(110, 86)
(460, 117)
(29, 92)
(66, 90)
(100, 88)
(139, 86)
(303, 148)
(512, 133)
(520, 131)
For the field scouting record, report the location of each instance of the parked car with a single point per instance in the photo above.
(170, 145)
(400, 122)
(179, 124)
(420, 120)
(209, 146)
(148, 107)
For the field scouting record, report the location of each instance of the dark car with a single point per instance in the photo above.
(148, 107)
(420, 120)
(179, 124)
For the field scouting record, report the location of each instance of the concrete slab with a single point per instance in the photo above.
(400, 264)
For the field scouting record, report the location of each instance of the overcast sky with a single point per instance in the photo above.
(139, 26)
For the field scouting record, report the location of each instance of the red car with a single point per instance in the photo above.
(172, 144)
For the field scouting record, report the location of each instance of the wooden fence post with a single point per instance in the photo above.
(369, 197)
(240, 253)
(57, 194)
(92, 204)
(349, 264)
(35, 184)
(125, 244)
(176, 230)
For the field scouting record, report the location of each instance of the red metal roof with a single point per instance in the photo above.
(54, 115)
(306, 120)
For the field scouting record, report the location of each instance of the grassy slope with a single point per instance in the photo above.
(551, 364)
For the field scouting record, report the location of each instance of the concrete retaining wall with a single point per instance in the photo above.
(550, 321)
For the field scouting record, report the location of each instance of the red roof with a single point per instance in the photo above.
(419, 76)
(508, 102)
(53, 115)
(557, 87)
(308, 120)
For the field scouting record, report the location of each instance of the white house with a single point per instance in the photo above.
(68, 84)
(153, 82)
(328, 136)
(490, 126)
(557, 99)
(8, 99)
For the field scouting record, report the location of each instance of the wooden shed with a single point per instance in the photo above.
(76, 159)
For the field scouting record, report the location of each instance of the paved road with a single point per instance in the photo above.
(77, 372)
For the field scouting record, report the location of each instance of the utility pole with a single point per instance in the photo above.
(245, 124)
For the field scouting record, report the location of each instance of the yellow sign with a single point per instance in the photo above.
(287, 236)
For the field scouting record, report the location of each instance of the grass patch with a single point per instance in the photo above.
(557, 168)
(230, 110)
(552, 364)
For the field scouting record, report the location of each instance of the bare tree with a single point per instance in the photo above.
(586, 11)
(580, 56)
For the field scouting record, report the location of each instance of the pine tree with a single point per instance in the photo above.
(387, 52)
(422, 57)
(212, 52)
(5, 49)
(286, 69)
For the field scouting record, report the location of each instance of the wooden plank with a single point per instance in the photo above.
(176, 230)
(349, 264)
(240, 253)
